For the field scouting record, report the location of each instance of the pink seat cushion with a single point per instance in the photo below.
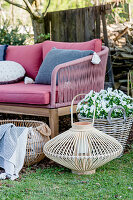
(22, 93)
(94, 45)
(30, 57)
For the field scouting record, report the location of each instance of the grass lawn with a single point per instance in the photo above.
(111, 181)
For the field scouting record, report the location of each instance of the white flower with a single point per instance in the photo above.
(95, 97)
(130, 106)
(85, 107)
(104, 105)
(124, 103)
(89, 94)
(109, 90)
(92, 109)
(79, 106)
(104, 101)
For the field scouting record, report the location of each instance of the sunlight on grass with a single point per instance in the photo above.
(112, 181)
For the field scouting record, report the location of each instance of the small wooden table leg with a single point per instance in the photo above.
(54, 122)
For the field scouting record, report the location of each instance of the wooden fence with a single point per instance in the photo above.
(79, 25)
(76, 25)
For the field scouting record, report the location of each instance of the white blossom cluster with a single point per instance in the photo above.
(104, 101)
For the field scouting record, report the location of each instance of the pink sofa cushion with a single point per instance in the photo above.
(94, 45)
(22, 93)
(30, 57)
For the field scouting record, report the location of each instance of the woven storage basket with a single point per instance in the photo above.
(38, 135)
(119, 128)
(82, 148)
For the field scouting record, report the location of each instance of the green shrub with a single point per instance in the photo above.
(120, 13)
(11, 36)
(43, 37)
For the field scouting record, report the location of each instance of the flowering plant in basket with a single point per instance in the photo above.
(104, 101)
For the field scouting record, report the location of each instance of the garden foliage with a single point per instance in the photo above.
(11, 36)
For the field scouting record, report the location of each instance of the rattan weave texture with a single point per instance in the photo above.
(118, 128)
(38, 135)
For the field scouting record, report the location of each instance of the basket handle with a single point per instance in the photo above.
(72, 109)
(111, 110)
(44, 130)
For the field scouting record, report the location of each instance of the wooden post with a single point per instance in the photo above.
(131, 80)
(109, 64)
(54, 122)
(98, 20)
(128, 85)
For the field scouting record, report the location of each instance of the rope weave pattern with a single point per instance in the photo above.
(75, 77)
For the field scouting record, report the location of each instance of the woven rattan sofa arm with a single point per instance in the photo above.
(78, 76)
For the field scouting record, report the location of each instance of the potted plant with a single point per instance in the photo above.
(110, 106)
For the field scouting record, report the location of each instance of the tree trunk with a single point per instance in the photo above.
(12, 11)
(131, 11)
(38, 29)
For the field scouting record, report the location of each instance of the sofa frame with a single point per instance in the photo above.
(74, 77)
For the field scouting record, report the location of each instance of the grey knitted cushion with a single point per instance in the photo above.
(54, 58)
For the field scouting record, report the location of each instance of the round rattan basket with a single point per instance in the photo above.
(119, 128)
(82, 148)
(38, 135)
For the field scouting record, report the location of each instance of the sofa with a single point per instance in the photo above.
(52, 100)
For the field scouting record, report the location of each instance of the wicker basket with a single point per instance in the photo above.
(119, 128)
(38, 135)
